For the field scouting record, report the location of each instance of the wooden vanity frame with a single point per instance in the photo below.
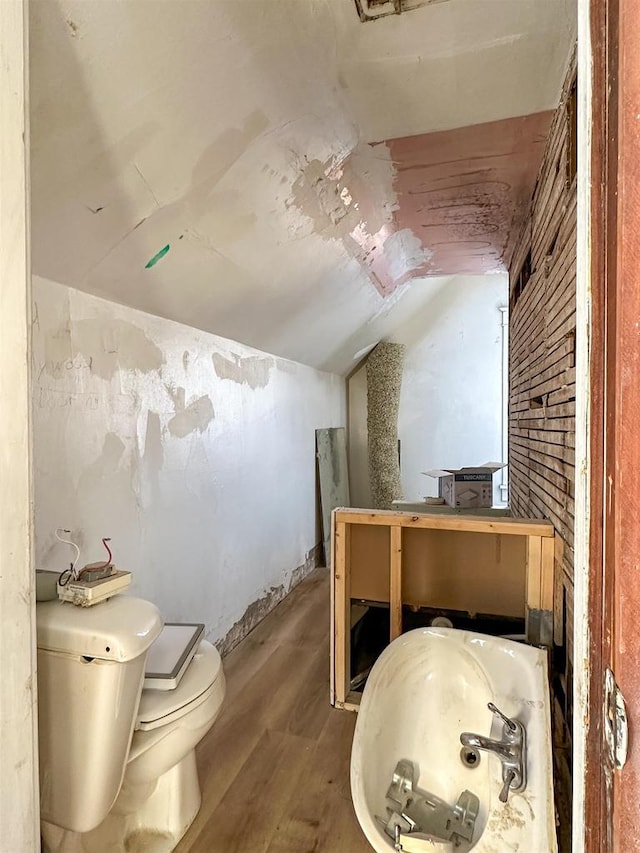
(541, 550)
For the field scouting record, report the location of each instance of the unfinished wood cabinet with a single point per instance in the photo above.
(470, 563)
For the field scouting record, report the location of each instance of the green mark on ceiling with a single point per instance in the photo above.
(154, 260)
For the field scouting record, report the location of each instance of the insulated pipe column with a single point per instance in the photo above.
(384, 379)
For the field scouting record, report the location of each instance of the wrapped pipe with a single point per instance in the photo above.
(384, 380)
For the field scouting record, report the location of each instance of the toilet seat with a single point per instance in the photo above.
(160, 707)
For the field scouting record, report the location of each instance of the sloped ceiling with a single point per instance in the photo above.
(276, 171)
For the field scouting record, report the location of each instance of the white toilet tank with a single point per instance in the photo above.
(90, 674)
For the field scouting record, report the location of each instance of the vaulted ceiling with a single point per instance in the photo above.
(277, 171)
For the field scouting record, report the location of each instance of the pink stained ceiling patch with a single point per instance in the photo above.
(464, 193)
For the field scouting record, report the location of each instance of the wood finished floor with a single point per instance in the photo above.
(274, 769)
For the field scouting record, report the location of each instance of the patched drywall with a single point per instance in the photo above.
(353, 201)
(450, 410)
(191, 452)
(196, 416)
(251, 370)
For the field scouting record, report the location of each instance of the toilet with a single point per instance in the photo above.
(122, 703)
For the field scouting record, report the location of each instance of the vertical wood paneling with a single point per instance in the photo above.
(342, 601)
(395, 582)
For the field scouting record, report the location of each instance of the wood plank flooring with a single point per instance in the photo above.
(274, 769)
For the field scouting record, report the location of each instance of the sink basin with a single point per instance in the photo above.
(428, 687)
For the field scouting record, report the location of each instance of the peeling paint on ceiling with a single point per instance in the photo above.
(243, 136)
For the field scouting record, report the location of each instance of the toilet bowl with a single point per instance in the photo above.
(129, 779)
(160, 793)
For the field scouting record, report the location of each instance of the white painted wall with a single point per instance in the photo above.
(451, 399)
(194, 453)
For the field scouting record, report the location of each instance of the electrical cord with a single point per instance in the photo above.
(65, 576)
(70, 572)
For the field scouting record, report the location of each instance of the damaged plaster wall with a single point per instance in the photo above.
(195, 454)
(451, 398)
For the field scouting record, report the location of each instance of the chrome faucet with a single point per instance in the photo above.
(511, 751)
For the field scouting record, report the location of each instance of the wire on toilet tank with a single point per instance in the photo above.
(72, 568)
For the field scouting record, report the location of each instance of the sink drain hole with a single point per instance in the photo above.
(469, 757)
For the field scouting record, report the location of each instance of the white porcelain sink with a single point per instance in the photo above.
(428, 687)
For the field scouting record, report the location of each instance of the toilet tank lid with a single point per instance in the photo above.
(119, 629)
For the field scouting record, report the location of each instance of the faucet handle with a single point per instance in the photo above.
(509, 723)
(508, 778)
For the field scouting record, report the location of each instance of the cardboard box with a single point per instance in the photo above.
(422, 507)
(467, 487)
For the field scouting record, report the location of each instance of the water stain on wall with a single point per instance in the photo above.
(252, 370)
(195, 417)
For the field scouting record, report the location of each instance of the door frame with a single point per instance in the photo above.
(19, 796)
(581, 632)
(607, 593)
(591, 829)
(597, 43)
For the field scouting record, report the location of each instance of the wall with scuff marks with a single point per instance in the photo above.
(195, 454)
(451, 398)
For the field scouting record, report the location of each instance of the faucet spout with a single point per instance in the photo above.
(487, 744)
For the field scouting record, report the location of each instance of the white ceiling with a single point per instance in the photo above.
(238, 133)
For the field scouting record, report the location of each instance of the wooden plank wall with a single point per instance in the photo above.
(542, 371)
